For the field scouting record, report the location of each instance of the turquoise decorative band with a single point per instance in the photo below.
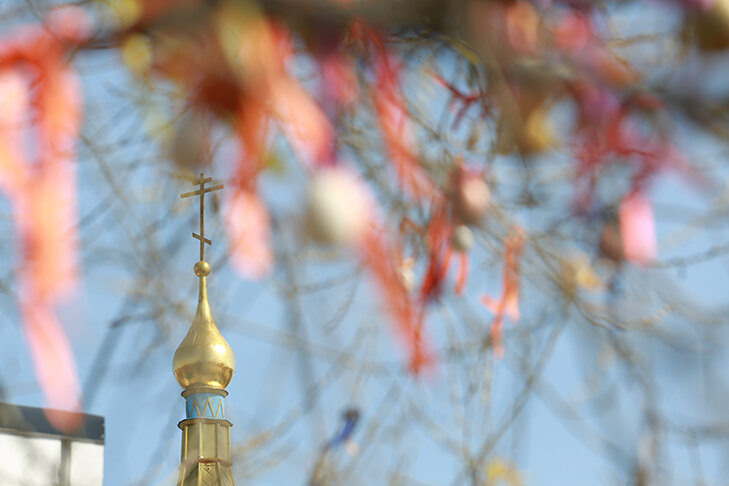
(205, 405)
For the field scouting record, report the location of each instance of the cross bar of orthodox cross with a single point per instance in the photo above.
(201, 192)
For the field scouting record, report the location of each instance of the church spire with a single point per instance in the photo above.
(204, 365)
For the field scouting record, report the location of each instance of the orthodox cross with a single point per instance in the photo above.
(201, 192)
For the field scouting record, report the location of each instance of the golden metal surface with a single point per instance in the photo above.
(203, 389)
(204, 363)
(204, 357)
(205, 474)
(202, 269)
(205, 457)
(201, 192)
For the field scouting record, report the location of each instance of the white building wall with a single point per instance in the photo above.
(29, 461)
(87, 464)
(34, 461)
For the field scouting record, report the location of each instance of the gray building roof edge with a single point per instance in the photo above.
(33, 422)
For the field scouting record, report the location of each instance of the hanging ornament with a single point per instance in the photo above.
(406, 273)
(462, 238)
(471, 198)
(710, 25)
(190, 146)
(338, 207)
(610, 245)
(578, 274)
(637, 227)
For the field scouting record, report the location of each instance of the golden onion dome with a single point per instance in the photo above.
(204, 357)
